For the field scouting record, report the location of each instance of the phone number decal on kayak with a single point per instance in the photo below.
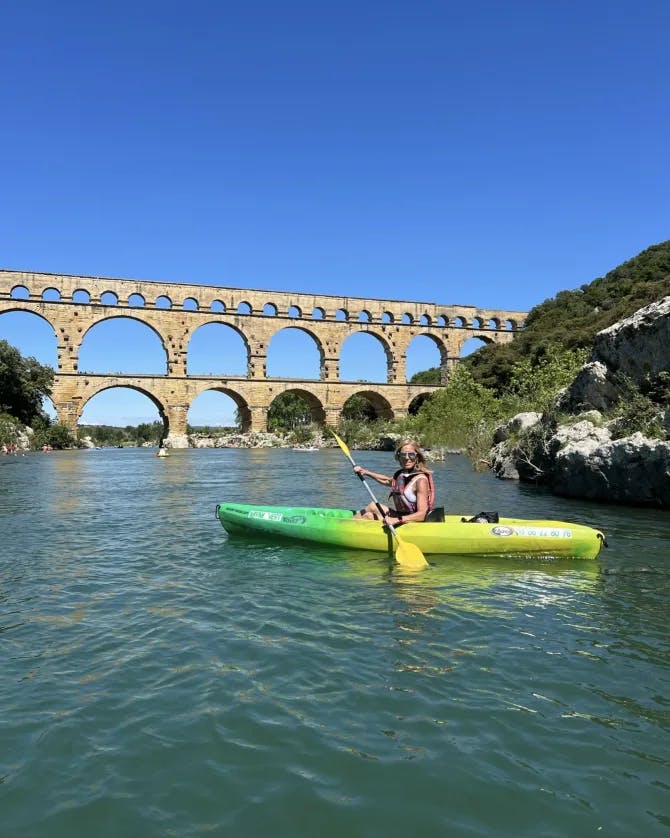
(266, 516)
(533, 532)
(543, 532)
(278, 517)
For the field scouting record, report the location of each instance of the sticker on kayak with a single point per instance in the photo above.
(544, 532)
(502, 531)
(266, 516)
(533, 532)
(295, 519)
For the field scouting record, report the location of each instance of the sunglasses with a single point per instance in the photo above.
(405, 455)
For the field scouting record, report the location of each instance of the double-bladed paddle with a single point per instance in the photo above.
(408, 556)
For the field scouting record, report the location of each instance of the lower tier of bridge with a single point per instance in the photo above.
(174, 395)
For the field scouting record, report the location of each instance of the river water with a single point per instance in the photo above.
(158, 679)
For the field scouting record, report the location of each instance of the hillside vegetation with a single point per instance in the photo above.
(497, 382)
(571, 319)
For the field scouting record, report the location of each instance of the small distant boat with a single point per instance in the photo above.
(162, 452)
(305, 448)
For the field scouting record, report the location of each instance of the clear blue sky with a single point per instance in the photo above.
(485, 153)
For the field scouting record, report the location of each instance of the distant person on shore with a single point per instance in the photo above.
(412, 488)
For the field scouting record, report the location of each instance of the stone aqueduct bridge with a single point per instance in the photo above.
(72, 305)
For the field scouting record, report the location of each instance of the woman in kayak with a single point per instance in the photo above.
(412, 488)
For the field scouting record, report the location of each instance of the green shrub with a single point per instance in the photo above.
(636, 413)
(9, 429)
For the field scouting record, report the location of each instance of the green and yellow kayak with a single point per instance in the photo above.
(507, 537)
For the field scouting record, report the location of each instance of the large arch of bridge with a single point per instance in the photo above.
(314, 403)
(472, 343)
(375, 339)
(435, 340)
(296, 328)
(107, 318)
(240, 402)
(93, 390)
(10, 308)
(210, 328)
(372, 331)
(381, 405)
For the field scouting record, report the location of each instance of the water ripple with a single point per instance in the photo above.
(159, 679)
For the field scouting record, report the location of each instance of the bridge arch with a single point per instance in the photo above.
(415, 344)
(20, 292)
(355, 344)
(24, 309)
(417, 402)
(316, 408)
(94, 389)
(380, 404)
(471, 343)
(217, 333)
(88, 333)
(287, 333)
(43, 346)
(51, 295)
(241, 403)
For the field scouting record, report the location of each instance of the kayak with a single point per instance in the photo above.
(453, 536)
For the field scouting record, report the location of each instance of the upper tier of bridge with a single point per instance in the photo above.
(220, 299)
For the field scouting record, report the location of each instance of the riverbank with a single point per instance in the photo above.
(385, 442)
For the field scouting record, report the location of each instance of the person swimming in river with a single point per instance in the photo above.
(412, 488)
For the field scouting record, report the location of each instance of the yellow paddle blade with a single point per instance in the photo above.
(409, 557)
(342, 444)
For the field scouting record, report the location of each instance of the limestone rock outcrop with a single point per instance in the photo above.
(637, 347)
(581, 459)
(634, 470)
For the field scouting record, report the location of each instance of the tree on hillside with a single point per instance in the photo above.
(54, 434)
(24, 384)
(462, 415)
(429, 376)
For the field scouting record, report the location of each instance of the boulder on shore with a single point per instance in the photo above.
(637, 347)
(581, 459)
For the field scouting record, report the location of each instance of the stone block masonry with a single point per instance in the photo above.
(73, 305)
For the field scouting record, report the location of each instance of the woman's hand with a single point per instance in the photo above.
(360, 470)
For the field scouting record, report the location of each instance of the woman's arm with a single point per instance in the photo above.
(380, 478)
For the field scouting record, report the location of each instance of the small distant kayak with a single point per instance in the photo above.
(162, 452)
(506, 537)
(298, 448)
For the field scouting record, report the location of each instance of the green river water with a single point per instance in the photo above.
(158, 679)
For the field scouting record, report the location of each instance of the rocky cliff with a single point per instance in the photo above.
(585, 455)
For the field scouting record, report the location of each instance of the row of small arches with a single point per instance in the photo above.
(136, 300)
